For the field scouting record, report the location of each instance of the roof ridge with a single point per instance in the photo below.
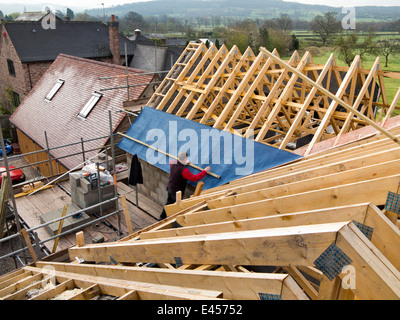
(105, 64)
(60, 21)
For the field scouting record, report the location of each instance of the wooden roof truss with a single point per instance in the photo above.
(258, 97)
(286, 218)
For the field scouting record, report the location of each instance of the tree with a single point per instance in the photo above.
(84, 17)
(132, 21)
(325, 26)
(396, 25)
(240, 38)
(349, 46)
(70, 14)
(14, 15)
(388, 47)
(295, 42)
(263, 39)
(241, 34)
(284, 22)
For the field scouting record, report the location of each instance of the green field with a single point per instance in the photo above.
(310, 42)
(391, 85)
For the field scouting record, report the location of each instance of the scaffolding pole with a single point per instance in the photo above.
(3, 148)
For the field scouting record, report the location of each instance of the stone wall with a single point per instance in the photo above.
(155, 182)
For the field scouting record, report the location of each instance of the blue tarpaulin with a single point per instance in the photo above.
(229, 155)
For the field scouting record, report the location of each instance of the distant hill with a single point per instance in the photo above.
(262, 9)
(8, 8)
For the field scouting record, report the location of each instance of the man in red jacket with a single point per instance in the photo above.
(178, 177)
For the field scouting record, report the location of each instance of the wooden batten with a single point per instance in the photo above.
(27, 145)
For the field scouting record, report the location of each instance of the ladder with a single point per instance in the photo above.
(177, 73)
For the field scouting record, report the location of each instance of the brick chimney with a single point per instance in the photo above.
(113, 34)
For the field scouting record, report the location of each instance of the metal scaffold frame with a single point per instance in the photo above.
(30, 232)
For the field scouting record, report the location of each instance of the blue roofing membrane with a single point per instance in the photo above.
(229, 155)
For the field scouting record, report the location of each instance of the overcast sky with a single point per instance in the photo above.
(351, 3)
(109, 3)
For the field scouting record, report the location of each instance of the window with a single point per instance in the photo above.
(11, 69)
(15, 99)
(54, 90)
(89, 105)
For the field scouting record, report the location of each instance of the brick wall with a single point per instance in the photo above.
(113, 33)
(17, 82)
(34, 71)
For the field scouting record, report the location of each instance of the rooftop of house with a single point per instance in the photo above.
(74, 81)
(82, 39)
(34, 16)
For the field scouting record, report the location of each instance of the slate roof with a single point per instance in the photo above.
(76, 38)
(34, 16)
(59, 116)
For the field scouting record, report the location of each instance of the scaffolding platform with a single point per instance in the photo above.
(68, 223)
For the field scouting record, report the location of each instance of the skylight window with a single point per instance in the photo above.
(89, 105)
(54, 90)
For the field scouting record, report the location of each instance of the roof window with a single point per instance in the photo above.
(89, 105)
(54, 90)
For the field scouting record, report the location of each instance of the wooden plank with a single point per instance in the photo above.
(302, 281)
(335, 179)
(307, 102)
(392, 107)
(29, 245)
(374, 190)
(301, 245)
(332, 107)
(244, 82)
(238, 285)
(220, 249)
(226, 58)
(80, 239)
(126, 214)
(60, 225)
(360, 96)
(162, 291)
(284, 96)
(187, 84)
(337, 100)
(375, 279)
(30, 214)
(199, 188)
(87, 293)
(51, 293)
(14, 277)
(325, 215)
(241, 59)
(167, 221)
(19, 286)
(131, 295)
(383, 231)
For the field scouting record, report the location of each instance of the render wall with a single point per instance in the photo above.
(151, 58)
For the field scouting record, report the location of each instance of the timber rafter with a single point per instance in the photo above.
(260, 98)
